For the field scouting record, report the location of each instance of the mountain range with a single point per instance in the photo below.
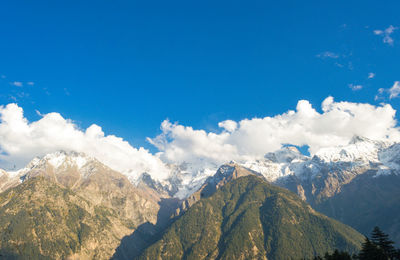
(73, 204)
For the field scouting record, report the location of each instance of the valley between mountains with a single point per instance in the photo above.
(286, 205)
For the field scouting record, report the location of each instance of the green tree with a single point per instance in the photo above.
(370, 251)
(382, 241)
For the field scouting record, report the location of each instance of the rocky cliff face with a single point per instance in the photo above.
(40, 219)
(61, 184)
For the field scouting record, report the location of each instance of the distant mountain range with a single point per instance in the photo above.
(72, 204)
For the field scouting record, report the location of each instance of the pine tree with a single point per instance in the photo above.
(382, 241)
(370, 251)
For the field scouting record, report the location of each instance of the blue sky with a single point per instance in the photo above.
(128, 65)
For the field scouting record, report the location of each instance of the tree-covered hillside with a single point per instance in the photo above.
(249, 218)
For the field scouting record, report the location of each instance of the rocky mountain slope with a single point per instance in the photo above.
(248, 218)
(85, 205)
(367, 201)
(40, 219)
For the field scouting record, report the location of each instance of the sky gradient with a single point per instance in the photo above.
(129, 65)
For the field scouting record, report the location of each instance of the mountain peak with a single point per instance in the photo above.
(359, 139)
(284, 155)
(59, 159)
(225, 174)
(239, 221)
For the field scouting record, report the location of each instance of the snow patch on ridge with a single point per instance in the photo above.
(61, 158)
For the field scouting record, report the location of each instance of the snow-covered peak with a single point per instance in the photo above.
(283, 162)
(186, 179)
(359, 149)
(359, 139)
(285, 155)
(390, 158)
(63, 158)
(58, 161)
(226, 170)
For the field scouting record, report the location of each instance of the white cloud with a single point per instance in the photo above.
(371, 75)
(17, 83)
(386, 34)
(30, 83)
(252, 138)
(394, 91)
(179, 144)
(355, 87)
(328, 54)
(228, 125)
(21, 140)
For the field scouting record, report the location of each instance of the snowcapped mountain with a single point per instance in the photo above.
(72, 164)
(333, 167)
(359, 150)
(286, 165)
(278, 164)
(329, 180)
(360, 155)
(89, 178)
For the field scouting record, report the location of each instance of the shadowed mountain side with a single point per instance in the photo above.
(366, 202)
(132, 245)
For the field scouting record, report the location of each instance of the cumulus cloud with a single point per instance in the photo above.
(371, 75)
(386, 34)
(252, 138)
(183, 144)
(228, 125)
(21, 140)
